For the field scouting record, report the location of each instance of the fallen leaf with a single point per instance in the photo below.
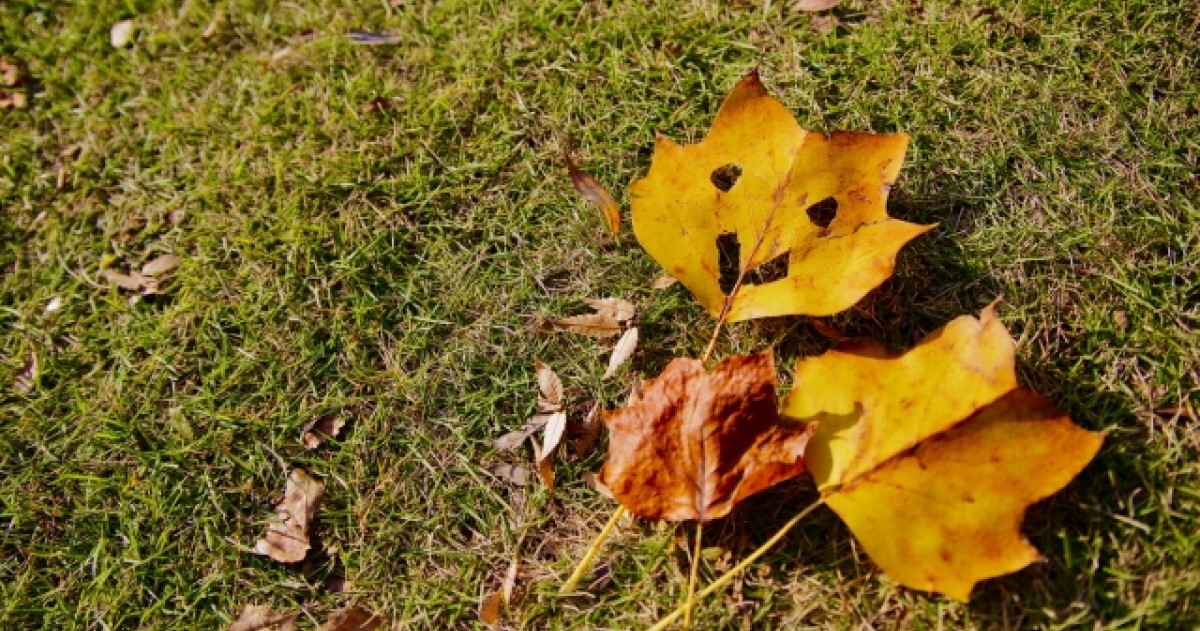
(814, 5)
(353, 618)
(827, 331)
(281, 54)
(930, 457)
(10, 72)
(370, 38)
(54, 305)
(15, 100)
(662, 282)
(556, 426)
(550, 388)
(25, 379)
(595, 193)
(120, 33)
(510, 581)
(699, 442)
(514, 473)
(175, 217)
(619, 309)
(593, 482)
(161, 265)
(512, 440)
(489, 608)
(598, 325)
(213, 25)
(132, 282)
(622, 352)
(752, 182)
(545, 466)
(261, 618)
(287, 538)
(319, 430)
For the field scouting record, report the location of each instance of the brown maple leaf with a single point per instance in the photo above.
(699, 442)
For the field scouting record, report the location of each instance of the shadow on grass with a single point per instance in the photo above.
(936, 281)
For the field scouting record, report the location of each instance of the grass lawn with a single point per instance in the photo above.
(375, 232)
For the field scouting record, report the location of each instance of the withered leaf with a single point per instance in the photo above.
(514, 473)
(512, 440)
(319, 430)
(545, 466)
(662, 282)
(25, 379)
(550, 388)
(132, 282)
(622, 352)
(620, 309)
(161, 265)
(595, 193)
(598, 325)
(353, 618)
(814, 5)
(556, 427)
(700, 442)
(261, 618)
(10, 72)
(120, 33)
(489, 608)
(589, 432)
(287, 538)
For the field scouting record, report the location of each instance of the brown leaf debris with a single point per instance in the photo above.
(287, 538)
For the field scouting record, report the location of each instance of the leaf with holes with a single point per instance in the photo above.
(931, 457)
(698, 442)
(749, 201)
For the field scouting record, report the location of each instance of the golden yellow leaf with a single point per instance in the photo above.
(949, 514)
(755, 176)
(932, 456)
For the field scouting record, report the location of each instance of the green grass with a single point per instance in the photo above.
(389, 265)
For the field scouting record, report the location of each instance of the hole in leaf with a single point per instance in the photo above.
(823, 212)
(729, 253)
(769, 272)
(725, 176)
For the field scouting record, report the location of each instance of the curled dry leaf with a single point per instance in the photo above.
(545, 466)
(622, 352)
(489, 608)
(589, 432)
(161, 265)
(287, 538)
(550, 388)
(120, 33)
(353, 618)
(261, 618)
(931, 457)
(700, 442)
(595, 193)
(319, 430)
(753, 180)
(512, 440)
(597, 325)
(556, 427)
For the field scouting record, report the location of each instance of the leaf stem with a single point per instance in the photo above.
(740, 567)
(689, 602)
(585, 563)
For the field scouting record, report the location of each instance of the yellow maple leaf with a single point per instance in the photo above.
(932, 456)
(755, 176)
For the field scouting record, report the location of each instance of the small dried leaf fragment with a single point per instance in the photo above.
(556, 427)
(287, 539)
(10, 72)
(370, 38)
(618, 309)
(754, 178)
(814, 5)
(595, 193)
(512, 440)
(699, 442)
(931, 456)
(662, 282)
(622, 352)
(489, 608)
(120, 33)
(597, 325)
(161, 265)
(353, 618)
(589, 432)
(261, 618)
(321, 429)
(550, 388)
(132, 282)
